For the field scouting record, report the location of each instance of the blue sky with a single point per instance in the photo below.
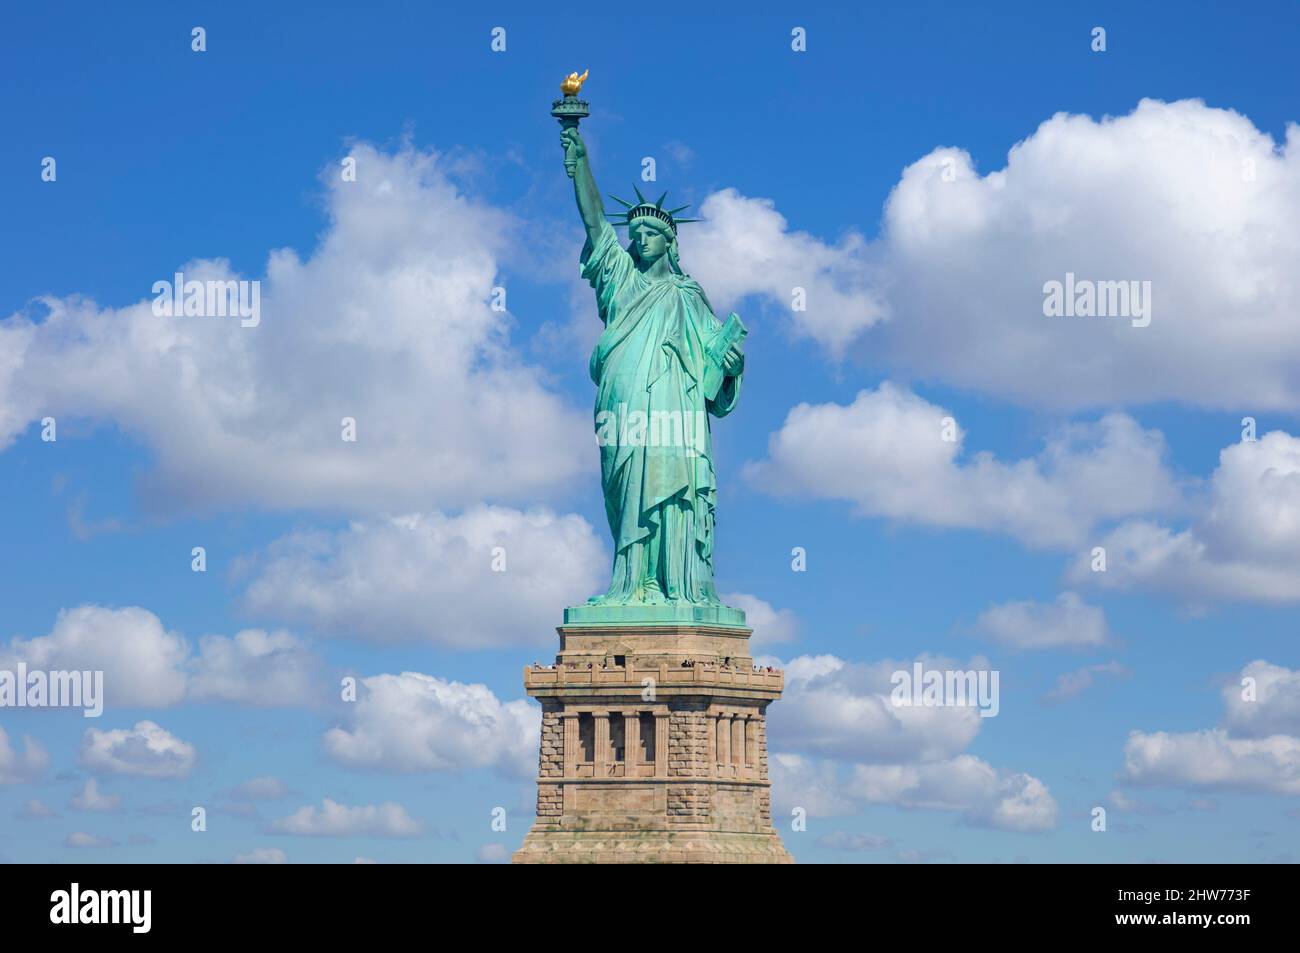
(924, 295)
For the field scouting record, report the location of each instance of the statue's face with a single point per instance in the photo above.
(651, 244)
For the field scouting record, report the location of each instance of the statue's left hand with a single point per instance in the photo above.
(733, 362)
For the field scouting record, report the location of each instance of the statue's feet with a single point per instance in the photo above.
(607, 598)
(651, 594)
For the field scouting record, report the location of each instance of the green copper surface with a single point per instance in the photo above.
(662, 369)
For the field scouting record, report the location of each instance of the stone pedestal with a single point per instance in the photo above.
(654, 748)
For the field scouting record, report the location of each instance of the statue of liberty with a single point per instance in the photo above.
(663, 363)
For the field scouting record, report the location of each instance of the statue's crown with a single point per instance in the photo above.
(646, 209)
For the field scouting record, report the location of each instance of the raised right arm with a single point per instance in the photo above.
(590, 207)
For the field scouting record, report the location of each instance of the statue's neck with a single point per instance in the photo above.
(660, 268)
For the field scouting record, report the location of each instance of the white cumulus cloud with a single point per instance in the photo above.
(143, 662)
(491, 576)
(1073, 684)
(388, 322)
(256, 668)
(147, 751)
(1214, 759)
(856, 747)
(261, 855)
(886, 454)
(1263, 700)
(846, 712)
(1255, 749)
(147, 665)
(83, 839)
(984, 795)
(1194, 199)
(414, 722)
(1066, 623)
(743, 246)
(18, 767)
(90, 798)
(1242, 545)
(772, 626)
(333, 819)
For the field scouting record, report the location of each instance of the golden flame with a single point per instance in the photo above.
(573, 82)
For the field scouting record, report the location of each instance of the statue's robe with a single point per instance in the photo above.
(651, 357)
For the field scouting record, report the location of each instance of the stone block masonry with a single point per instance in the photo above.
(653, 748)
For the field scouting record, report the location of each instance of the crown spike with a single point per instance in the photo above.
(646, 209)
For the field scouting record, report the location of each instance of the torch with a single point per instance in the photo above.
(570, 111)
